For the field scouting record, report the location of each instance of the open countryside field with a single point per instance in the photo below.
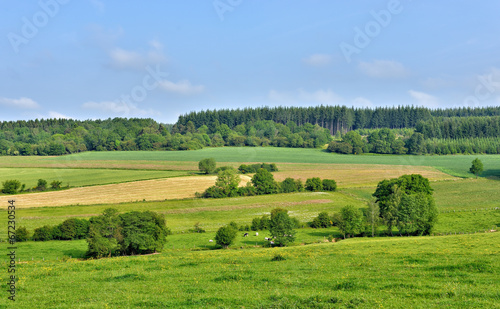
(455, 165)
(356, 175)
(156, 189)
(418, 272)
(81, 177)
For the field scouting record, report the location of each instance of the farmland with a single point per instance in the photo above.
(457, 269)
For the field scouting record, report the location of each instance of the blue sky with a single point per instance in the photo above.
(91, 59)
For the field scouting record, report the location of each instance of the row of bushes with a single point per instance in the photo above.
(15, 186)
(69, 229)
(262, 183)
(253, 168)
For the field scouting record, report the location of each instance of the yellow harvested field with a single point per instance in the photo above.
(150, 190)
(356, 175)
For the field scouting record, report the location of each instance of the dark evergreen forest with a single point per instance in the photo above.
(397, 130)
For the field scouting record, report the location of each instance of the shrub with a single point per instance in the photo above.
(213, 192)
(288, 185)
(56, 184)
(41, 185)
(197, 228)
(329, 185)
(253, 168)
(72, 228)
(11, 186)
(278, 257)
(314, 184)
(207, 166)
(223, 168)
(225, 236)
(321, 221)
(247, 190)
(43, 233)
(22, 234)
(264, 183)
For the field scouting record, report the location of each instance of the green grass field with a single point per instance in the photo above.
(456, 165)
(81, 177)
(452, 271)
(418, 272)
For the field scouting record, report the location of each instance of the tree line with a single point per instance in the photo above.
(333, 118)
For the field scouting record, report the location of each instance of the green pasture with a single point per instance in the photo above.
(81, 177)
(400, 272)
(456, 165)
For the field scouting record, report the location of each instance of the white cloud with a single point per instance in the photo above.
(57, 115)
(21, 103)
(318, 60)
(128, 59)
(118, 108)
(181, 87)
(424, 99)
(362, 102)
(383, 69)
(301, 96)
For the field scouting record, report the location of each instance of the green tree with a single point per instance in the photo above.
(225, 236)
(143, 232)
(354, 139)
(288, 185)
(417, 214)
(321, 221)
(264, 183)
(104, 234)
(22, 234)
(314, 184)
(477, 167)
(228, 181)
(281, 227)
(43, 233)
(329, 185)
(41, 185)
(373, 216)
(351, 220)
(207, 166)
(11, 186)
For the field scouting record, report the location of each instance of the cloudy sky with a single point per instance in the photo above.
(90, 59)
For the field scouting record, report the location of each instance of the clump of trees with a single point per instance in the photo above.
(129, 233)
(253, 168)
(407, 203)
(262, 182)
(69, 229)
(14, 186)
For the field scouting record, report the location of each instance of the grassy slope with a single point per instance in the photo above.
(420, 272)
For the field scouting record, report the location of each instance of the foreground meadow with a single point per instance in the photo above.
(404, 272)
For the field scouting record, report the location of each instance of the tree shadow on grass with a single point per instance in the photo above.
(325, 233)
(491, 174)
(75, 253)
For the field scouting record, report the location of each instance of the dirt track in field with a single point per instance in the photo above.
(150, 190)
